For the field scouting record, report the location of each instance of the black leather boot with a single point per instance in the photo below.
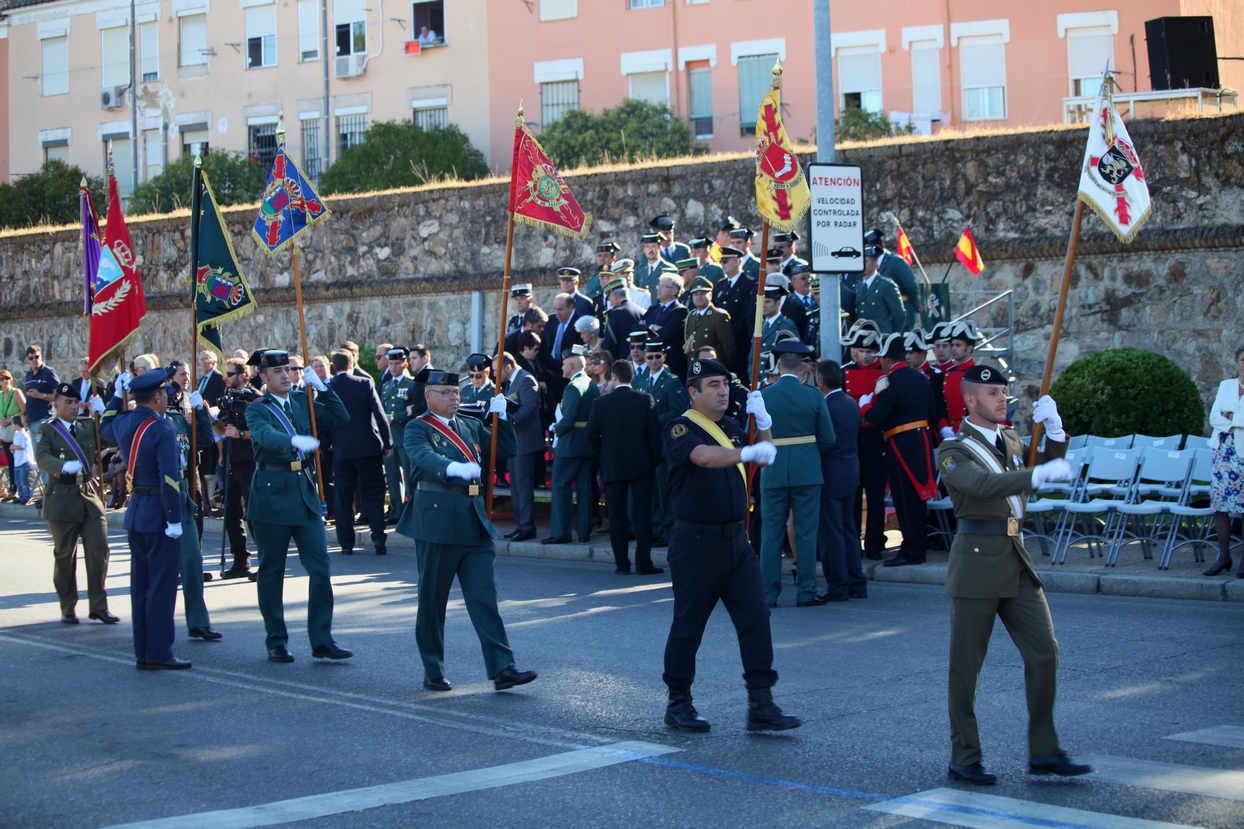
(680, 714)
(764, 715)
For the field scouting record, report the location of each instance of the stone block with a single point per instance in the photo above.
(1233, 591)
(1162, 587)
(1069, 581)
(912, 574)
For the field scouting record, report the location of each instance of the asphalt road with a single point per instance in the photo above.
(88, 741)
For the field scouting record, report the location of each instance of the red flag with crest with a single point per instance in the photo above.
(117, 302)
(538, 195)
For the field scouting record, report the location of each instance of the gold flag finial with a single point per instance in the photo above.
(777, 74)
(518, 121)
(82, 184)
(198, 160)
(280, 133)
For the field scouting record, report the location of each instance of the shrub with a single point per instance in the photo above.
(367, 362)
(49, 196)
(403, 154)
(1124, 391)
(631, 131)
(857, 124)
(234, 177)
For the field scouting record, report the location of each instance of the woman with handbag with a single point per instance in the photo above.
(1226, 487)
(12, 402)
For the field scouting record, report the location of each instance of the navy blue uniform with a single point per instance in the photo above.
(739, 300)
(711, 560)
(156, 501)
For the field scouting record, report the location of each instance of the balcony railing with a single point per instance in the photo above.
(1079, 110)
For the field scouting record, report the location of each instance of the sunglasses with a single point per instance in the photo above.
(637, 348)
(477, 374)
(33, 359)
(295, 368)
(447, 393)
(655, 357)
(598, 362)
(237, 373)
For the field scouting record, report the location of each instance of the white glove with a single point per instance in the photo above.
(948, 433)
(173, 530)
(71, 468)
(214, 411)
(866, 399)
(313, 380)
(466, 471)
(761, 454)
(196, 400)
(124, 380)
(1045, 412)
(496, 405)
(756, 408)
(1055, 470)
(304, 443)
(96, 404)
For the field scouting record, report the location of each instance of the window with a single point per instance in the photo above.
(558, 9)
(153, 154)
(194, 141)
(430, 13)
(982, 66)
(644, 4)
(351, 130)
(56, 66)
(122, 162)
(115, 56)
(263, 144)
(755, 80)
(926, 78)
(1089, 52)
(351, 38)
(149, 52)
(312, 163)
(430, 118)
(192, 49)
(308, 30)
(557, 98)
(859, 78)
(58, 153)
(700, 80)
(653, 87)
(260, 37)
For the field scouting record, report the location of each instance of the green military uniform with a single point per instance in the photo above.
(393, 396)
(73, 508)
(710, 327)
(284, 505)
(751, 266)
(670, 396)
(992, 575)
(191, 562)
(573, 459)
(880, 302)
(802, 431)
(769, 330)
(711, 271)
(591, 288)
(453, 536)
(471, 394)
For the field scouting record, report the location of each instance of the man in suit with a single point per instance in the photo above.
(707, 326)
(453, 536)
(65, 450)
(284, 504)
(86, 388)
(669, 395)
(606, 253)
(238, 463)
(520, 386)
(741, 240)
(666, 320)
(572, 455)
(802, 432)
(559, 336)
(671, 251)
(568, 278)
(800, 277)
(902, 408)
(877, 298)
(623, 318)
(774, 323)
(991, 575)
(785, 242)
(838, 536)
(710, 270)
(393, 394)
(736, 295)
(895, 268)
(649, 269)
(624, 430)
(521, 301)
(359, 448)
(789, 307)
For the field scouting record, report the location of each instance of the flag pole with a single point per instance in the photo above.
(196, 207)
(916, 256)
(84, 193)
(1048, 377)
(500, 363)
(760, 317)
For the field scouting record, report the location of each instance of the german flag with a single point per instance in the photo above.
(905, 249)
(967, 253)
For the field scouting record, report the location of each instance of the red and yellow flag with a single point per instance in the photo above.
(117, 302)
(967, 253)
(905, 249)
(782, 194)
(538, 195)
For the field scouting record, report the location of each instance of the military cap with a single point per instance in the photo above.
(608, 247)
(623, 266)
(437, 377)
(893, 346)
(984, 375)
(266, 358)
(940, 332)
(479, 361)
(569, 273)
(962, 330)
(398, 353)
(786, 237)
(791, 345)
(728, 223)
(69, 390)
(700, 242)
(774, 255)
(700, 283)
(741, 233)
(654, 347)
(916, 340)
(687, 264)
(731, 253)
(873, 251)
(773, 291)
(639, 335)
(800, 267)
(863, 336)
(575, 351)
(650, 237)
(522, 289)
(662, 223)
(152, 379)
(613, 284)
(700, 369)
(873, 236)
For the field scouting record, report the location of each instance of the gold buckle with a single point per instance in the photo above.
(1012, 526)
(295, 466)
(473, 490)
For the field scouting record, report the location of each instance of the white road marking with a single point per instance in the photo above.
(987, 811)
(1169, 777)
(408, 791)
(1230, 736)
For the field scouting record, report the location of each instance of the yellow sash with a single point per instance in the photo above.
(714, 432)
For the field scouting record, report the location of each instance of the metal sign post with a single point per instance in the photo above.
(837, 239)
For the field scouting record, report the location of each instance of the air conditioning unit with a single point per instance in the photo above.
(351, 66)
(110, 97)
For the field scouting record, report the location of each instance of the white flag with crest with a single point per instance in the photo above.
(1112, 180)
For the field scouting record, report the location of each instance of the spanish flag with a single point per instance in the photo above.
(967, 253)
(905, 249)
(782, 193)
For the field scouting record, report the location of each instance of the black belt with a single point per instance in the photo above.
(724, 530)
(268, 466)
(436, 486)
(145, 490)
(67, 479)
(976, 526)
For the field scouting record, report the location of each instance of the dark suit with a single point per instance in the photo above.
(358, 457)
(529, 435)
(211, 386)
(838, 537)
(794, 311)
(624, 430)
(619, 323)
(895, 268)
(582, 305)
(670, 322)
(739, 301)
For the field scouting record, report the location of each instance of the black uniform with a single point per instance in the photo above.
(710, 558)
(239, 466)
(740, 302)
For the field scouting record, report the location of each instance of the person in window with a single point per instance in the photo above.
(427, 37)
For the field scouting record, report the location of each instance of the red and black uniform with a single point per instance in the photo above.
(859, 380)
(954, 409)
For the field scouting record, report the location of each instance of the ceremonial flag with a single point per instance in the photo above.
(221, 293)
(782, 193)
(1112, 182)
(538, 195)
(967, 253)
(116, 293)
(90, 247)
(905, 249)
(290, 205)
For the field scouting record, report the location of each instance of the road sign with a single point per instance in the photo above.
(837, 218)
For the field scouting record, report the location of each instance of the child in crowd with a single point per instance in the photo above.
(21, 459)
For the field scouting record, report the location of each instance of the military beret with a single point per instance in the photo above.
(569, 273)
(731, 253)
(68, 390)
(623, 266)
(437, 377)
(741, 233)
(786, 237)
(985, 375)
(650, 238)
(687, 264)
(662, 223)
(728, 223)
(479, 361)
(873, 251)
(791, 345)
(873, 236)
(152, 379)
(608, 247)
(522, 289)
(266, 358)
(700, 242)
(700, 283)
(398, 353)
(700, 369)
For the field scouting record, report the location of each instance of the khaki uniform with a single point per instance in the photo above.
(711, 327)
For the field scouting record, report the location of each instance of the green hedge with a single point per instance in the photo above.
(1124, 391)
(367, 362)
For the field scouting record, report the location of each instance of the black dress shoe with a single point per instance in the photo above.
(661, 542)
(140, 664)
(584, 539)
(900, 561)
(827, 598)
(173, 664)
(1058, 764)
(382, 550)
(974, 774)
(651, 571)
(815, 601)
(331, 651)
(527, 536)
(552, 540)
(206, 634)
(236, 572)
(438, 684)
(280, 654)
(347, 551)
(511, 534)
(623, 571)
(873, 555)
(105, 617)
(69, 620)
(511, 677)
(857, 594)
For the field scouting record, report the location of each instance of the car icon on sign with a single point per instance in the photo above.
(846, 252)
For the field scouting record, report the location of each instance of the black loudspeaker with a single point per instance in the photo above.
(1182, 53)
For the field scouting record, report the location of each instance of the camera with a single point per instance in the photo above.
(233, 403)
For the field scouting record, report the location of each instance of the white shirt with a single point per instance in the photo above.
(656, 375)
(991, 437)
(21, 445)
(868, 281)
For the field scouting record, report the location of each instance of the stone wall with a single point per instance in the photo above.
(400, 266)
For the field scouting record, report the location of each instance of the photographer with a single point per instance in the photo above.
(238, 462)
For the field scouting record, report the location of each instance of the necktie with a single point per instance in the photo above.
(73, 429)
(997, 441)
(289, 412)
(557, 341)
(453, 424)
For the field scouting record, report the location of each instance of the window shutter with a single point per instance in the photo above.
(926, 78)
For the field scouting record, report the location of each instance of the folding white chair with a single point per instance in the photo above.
(1051, 501)
(1076, 442)
(1191, 505)
(1151, 498)
(1196, 442)
(1108, 480)
(1168, 442)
